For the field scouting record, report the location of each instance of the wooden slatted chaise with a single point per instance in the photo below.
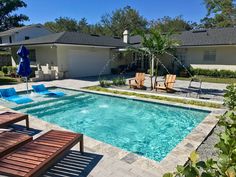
(9, 141)
(8, 118)
(34, 158)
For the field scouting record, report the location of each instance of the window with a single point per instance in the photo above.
(10, 39)
(32, 55)
(209, 55)
(27, 37)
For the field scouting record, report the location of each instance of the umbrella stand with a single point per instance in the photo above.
(24, 69)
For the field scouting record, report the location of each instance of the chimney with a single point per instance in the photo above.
(126, 36)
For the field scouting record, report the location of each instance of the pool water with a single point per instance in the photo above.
(148, 129)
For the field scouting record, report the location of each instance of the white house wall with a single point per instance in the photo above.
(44, 55)
(5, 39)
(225, 57)
(47, 55)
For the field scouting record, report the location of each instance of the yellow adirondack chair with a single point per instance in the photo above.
(168, 83)
(138, 81)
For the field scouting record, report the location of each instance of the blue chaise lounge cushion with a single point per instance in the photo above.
(10, 94)
(42, 90)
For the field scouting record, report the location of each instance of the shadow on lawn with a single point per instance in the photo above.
(74, 164)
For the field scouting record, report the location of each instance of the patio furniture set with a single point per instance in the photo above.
(21, 156)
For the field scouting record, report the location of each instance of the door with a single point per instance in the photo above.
(88, 62)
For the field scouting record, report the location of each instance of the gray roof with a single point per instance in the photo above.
(203, 37)
(73, 38)
(17, 29)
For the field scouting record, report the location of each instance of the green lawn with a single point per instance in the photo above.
(212, 79)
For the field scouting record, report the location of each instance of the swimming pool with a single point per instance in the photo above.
(148, 129)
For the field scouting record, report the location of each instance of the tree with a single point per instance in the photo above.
(62, 24)
(83, 26)
(121, 19)
(7, 18)
(155, 45)
(220, 13)
(97, 29)
(175, 24)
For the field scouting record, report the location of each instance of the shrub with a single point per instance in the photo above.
(12, 69)
(214, 73)
(5, 69)
(104, 83)
(225, 166)
(1, 74)
(230, 97)
(119, 81)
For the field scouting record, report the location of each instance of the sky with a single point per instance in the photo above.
(41, 11)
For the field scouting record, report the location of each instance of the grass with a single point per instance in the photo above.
(155, 97)
(212, 79)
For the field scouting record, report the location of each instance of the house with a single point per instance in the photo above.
(70, 54)
(73, 54)
(23, 33)
(205, 48)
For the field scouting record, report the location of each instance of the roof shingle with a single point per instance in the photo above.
(74, 38)
(17, 29)
(217, 36)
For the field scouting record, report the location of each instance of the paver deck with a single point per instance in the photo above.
(116, 162)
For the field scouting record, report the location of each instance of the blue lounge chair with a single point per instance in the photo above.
(42, 90)
(10, 94)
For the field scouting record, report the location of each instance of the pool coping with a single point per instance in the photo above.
(178, 156)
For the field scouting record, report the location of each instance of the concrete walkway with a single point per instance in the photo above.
(59, 83)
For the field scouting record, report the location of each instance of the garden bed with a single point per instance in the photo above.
(156, 97)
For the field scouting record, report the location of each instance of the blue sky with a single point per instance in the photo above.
(40, 11)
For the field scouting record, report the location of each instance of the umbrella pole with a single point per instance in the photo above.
(26, 84)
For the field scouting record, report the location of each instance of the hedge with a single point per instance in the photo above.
(214, 73)
(9, 69)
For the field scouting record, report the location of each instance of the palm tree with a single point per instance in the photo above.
(155, 45)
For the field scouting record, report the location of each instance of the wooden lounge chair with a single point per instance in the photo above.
(138, 81)
(8, 118)
(32, 159)
(9, 141)
(168, 83)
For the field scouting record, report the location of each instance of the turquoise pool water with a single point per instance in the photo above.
(148, 129)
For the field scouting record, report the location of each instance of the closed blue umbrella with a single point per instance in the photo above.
(24, 69)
